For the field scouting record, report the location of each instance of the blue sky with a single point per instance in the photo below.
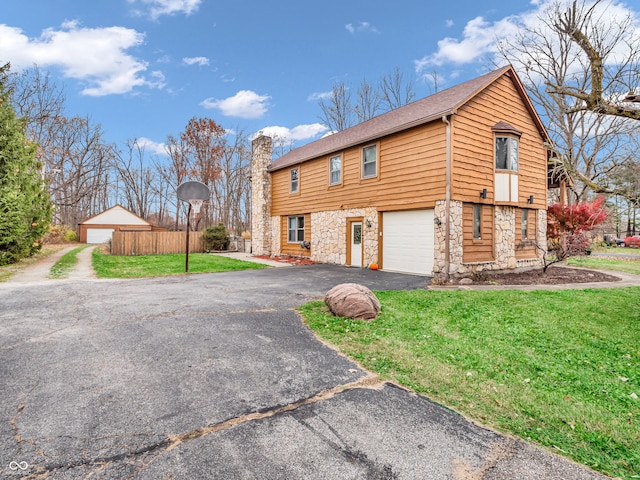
(143, 68)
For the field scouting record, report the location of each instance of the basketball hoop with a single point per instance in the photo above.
(195, 205)
(195, 193)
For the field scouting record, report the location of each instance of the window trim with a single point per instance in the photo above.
(376, 162)
(511, 141)
(297, 229)
(331, 171)
(297, 180)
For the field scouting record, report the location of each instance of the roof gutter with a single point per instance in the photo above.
(447, 200)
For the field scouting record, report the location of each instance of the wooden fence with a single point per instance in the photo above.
(150, 243)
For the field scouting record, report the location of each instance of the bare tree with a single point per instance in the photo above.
(368, 103)
(588, 144)
(394, 92)
(612, 51)
(140, 190)
(78, 160)
(173, 173)
(340, 113)
(337, 111)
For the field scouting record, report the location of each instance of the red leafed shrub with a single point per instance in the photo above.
(578, 218)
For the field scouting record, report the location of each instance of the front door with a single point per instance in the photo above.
(356, 244)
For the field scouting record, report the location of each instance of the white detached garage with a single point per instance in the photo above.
(99, 229)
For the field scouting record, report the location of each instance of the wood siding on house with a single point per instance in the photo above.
(473, 249)
(294, 249)
(411, 174)
(474, 146)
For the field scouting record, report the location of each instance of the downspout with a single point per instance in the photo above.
(447, 200)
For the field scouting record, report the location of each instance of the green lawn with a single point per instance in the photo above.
(626, 265)
(112, 266)
(561, 368)
(66, 263)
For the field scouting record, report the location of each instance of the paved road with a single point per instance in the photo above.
(215, 376)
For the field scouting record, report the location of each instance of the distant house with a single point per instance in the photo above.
(98, 229)
(447, 185)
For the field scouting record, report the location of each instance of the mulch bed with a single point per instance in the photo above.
(555, 275)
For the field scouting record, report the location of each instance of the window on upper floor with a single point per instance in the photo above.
(370, 161)
(507, 153)
(296, 229)
(335, 170)
(294, 180)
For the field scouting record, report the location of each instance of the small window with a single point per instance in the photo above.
(477, 222)
(294, 180)
(525, 224)
(370, 161)
(296, 229)
(507, 153)
(335, 170)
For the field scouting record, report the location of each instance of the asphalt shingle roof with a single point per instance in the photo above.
(416, 113)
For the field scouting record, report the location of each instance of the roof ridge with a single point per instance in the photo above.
(418, 112)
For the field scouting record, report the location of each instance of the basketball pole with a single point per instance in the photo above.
(186, 265)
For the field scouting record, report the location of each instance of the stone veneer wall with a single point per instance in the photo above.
(261, 224)
(504, 242)
(329, 235)
(275, 235)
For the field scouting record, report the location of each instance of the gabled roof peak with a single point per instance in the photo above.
(428, 109)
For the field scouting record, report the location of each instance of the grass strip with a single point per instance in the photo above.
(558, 368)
(66, 263)
(626, 265)
(112, 266)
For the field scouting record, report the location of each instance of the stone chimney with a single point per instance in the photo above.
(261, 158)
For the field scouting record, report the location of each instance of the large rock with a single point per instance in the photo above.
(352, 301)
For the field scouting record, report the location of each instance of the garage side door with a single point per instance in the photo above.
(99, 235)
(407, 241)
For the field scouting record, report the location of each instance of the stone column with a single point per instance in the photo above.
(261, 158)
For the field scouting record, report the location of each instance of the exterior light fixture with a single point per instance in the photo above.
(437, 221)
(368, 223)
(483, 193)
(530, 199)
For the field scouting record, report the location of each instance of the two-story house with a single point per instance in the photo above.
(447, 185)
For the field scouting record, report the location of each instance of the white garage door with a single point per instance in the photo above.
(99, 235)
(407, 241)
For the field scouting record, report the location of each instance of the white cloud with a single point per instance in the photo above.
(362, 27)
(244, 104)
(301, 132)
(95, 56)
(158, 148)
(480, 38)
(316, 96)
(448, 23)
(157, 8)
(201, 61)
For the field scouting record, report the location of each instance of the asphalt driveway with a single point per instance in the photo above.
(215, 377)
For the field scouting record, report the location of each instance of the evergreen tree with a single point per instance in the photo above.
(25, 204)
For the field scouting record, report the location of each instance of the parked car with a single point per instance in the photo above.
(613, 241)
(632, 241)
